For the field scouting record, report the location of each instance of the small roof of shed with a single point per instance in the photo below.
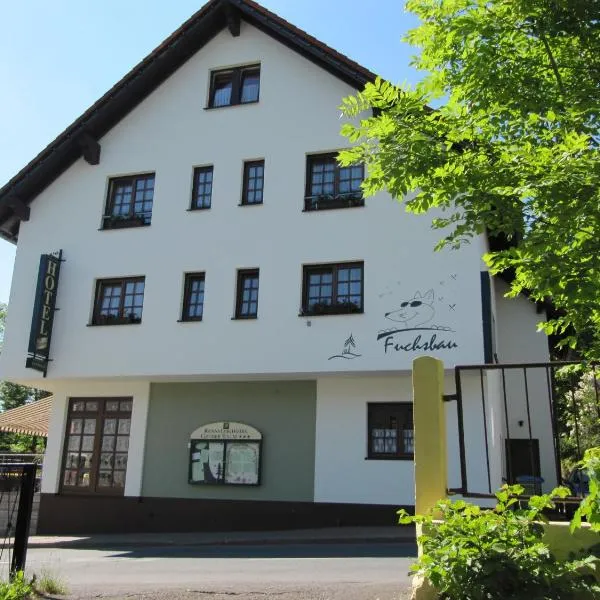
(30, 419)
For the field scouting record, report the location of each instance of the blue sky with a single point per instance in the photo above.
(57, 58)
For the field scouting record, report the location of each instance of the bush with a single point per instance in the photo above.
(18, 588)
(494, 554)
(590, 505)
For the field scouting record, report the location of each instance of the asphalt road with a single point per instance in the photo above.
(349, 571)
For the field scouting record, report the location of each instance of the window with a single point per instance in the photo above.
(330, 186)
(254, 178)
(119, 301)
(390, 430)
(234, 86)
(202, 188)
(129, 202)
(193, 297)
(96, 445)
(332, 289)
(247, 294)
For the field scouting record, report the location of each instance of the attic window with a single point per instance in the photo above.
(234, 86)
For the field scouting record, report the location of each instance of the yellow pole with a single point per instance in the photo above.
(431, 479)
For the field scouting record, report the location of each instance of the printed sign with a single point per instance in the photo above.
(43, 312)
(225, 453)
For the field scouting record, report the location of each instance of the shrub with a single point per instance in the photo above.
(18, 588)
(590, 505)
(493, 554)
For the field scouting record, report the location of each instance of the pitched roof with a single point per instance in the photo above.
(144, 78)
(30, 419)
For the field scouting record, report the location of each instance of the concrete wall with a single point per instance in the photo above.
(284, 412)
(169, 133)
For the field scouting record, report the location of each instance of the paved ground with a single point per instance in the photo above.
(365, 564)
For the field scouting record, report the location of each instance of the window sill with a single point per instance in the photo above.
(332, 314)
(198, 208)
(115, 323)
(242, 318)
(232, 105)
(196, 320)
(403, 457)
(251, 204)
(326, 208)
(124, 226)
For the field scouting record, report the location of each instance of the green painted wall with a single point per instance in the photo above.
(284, 412)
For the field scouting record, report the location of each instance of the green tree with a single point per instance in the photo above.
(513, 149)
(11, 396)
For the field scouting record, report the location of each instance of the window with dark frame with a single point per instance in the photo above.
(333, 289)
(202, 188)
(119, 301)
(330, 186)
(390, 430)
(247, 294)
(129, 202)
(193, 298)
(230, 87)
(96, 445)
(254, 179)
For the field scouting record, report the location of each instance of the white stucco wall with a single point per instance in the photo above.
(342, 471)
(169, 133)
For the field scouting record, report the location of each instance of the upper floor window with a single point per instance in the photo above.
(254, 180)
(119, 301)
(202, 188)
(330, 186)
(332, 289)
(390, 430)
(234, 86)
(193, 297)
(129, 202)
(246, 306)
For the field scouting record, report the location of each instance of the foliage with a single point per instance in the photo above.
(577, 413)
(11, 396)
(18, 588)
(476, 554)
(49, 583)
(590, 505)
(513, 150)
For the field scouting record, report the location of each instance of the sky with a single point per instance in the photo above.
(57, 58)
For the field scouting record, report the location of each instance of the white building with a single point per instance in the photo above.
(204, 283)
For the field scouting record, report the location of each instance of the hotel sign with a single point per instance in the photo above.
(43, 312)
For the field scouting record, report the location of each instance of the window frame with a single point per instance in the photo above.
(236, 76)
(334, 268)
(197, 170)
(94, 471)
(248, 164)
(131, 219)
(339, 199)
(97, 318)
(407, 417)
(187, 289)
(242, 275)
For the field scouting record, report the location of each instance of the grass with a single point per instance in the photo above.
(50, 583)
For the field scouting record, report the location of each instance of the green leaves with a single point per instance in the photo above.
(514, 149)
(472, 553)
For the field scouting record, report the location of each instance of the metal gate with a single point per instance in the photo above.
(17, 487)
(515, 422)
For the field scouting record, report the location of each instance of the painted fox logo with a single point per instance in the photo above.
(415, 312)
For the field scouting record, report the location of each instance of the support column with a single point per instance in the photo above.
(431, 469)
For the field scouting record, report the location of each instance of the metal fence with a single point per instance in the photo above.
(17, 488)
(533, 421)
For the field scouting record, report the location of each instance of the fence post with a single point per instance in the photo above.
(431, 477)
(26, 492)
